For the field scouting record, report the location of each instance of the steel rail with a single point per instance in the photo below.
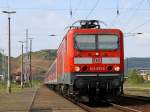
(90, 109)
(33, 99)
(114, 105)
(84, 107)
(124, 108)
(140, 98)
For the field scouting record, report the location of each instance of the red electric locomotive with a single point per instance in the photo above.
(90, 61)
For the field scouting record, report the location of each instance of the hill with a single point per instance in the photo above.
(41, 61)
(134, 63)
(1, 61)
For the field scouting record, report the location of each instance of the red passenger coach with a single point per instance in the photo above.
(90, 61)
(51, 75)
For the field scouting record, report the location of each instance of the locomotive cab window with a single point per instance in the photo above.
(108, 42)
(96, 42)
(85, 42)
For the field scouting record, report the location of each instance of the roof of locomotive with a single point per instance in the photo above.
(94, 31)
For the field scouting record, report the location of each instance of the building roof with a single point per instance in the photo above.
(140, 69)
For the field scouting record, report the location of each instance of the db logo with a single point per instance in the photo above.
(96, 60)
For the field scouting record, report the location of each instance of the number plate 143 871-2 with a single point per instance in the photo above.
(97, 68)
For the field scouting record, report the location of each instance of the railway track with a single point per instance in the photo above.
(124, 108)
(121, 104)
(142, 98)
(114, 106)
(111, 107)
(132, 103)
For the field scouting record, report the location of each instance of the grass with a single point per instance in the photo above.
(16, 88)
(136, 81)
(45, 54)
(140, 86)
(2, 87)
(37, 83)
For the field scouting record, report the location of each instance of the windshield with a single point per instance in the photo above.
(109, 42)
(96, 42)
(85, 42)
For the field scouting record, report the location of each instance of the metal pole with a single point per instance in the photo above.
(9, 59)
(3, 65)
(9, 52)
(26, 59)
(3, 62)
(22, 67)
(127, 66)
(30, 78)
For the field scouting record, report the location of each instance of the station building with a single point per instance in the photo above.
(145, 72)
(1, 77)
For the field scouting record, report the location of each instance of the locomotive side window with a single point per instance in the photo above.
(85, 42)
(53, 68)
(108, 42)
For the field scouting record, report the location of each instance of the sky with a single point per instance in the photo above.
(45, 17)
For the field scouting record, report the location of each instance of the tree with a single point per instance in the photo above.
(134, 77)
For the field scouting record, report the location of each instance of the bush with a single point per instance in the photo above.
(134, 78)
(37, 83)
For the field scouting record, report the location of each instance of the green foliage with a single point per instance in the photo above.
(2, 85)
(3, 64)
(16, 88)
(37, 83)
(134, 77)
(0, 63)
(45, 54)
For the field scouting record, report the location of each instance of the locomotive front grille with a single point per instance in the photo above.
(91, 80)
(96, 74)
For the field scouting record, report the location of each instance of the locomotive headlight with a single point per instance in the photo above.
(77, 68)
(117, 68)
(96, 53)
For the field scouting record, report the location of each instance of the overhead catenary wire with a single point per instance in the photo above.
(70, 8)
(8, 6)
(78, 5)
(66, 9)
(118, 11)
(140, 25)
(117, 14)
(144, 23)
(148, 2)
(133, 14)
(93, 8)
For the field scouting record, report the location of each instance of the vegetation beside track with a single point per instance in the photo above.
(136, 81)
(16, 88)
